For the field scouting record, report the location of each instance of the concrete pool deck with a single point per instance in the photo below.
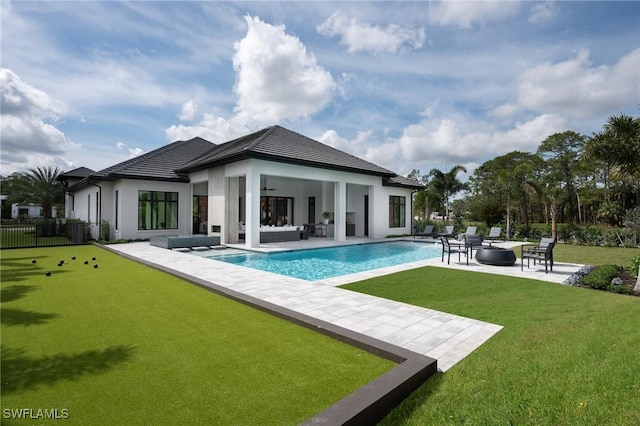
(442, 336)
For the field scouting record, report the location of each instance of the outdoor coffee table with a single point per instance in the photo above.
(496, 256)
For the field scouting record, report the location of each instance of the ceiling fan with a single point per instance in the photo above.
(264, 185)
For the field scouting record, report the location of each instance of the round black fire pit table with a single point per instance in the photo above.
(495, 256)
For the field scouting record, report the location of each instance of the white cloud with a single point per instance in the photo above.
(189, 110)
(353, 146)
(505, 110)
(465, 13)
(29, 136)
(212, 128)
(362, 37)
(574, 88)
(133, 152)
(19, 98)
(450, 144)
(276, 78)
(542, 12)
(442, 143)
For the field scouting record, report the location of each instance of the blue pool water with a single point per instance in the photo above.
(317, 264)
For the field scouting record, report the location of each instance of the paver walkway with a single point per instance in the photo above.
(445, 337)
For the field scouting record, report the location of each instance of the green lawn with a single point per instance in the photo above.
(566, 355)
(127, 344)
(591, 255)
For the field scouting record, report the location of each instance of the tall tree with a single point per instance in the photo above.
(446, 185)
(561, 153)
(38, 186)
(618, 147)
(509, 179)
(419, 201)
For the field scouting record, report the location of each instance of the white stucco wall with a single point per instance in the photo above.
(128, 206)
(295, 181)
(301, 182)
(83, 207)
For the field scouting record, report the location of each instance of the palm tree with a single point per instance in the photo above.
(38, 186)
(446, 185)
(617, 147)
(624, 132)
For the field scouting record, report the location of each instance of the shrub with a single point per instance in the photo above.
(601, 277)
(635, 266)
(105, 230)
(622, 289)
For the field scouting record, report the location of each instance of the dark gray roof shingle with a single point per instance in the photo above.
(161, 163)
(79, 173)
(276, 143)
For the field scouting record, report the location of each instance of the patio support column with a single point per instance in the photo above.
(252, 211)
(233, 189)
(216, 211)
(340, 216)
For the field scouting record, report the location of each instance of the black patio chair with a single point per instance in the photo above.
(473, 242)
(449, 247)
(540, 252)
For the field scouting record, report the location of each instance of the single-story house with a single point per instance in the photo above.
(28, 210)
(273, 180)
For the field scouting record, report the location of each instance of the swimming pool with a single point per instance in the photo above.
(318, 264)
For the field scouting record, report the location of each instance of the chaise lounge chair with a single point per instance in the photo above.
(471, 230)
(541, 252)
(494, 235)
(449, 247)
(426, 232)
(448, 232)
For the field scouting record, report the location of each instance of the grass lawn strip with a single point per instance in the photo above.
(566, 355)
(128, 341)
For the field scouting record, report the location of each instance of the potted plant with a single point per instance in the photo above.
(325, 217)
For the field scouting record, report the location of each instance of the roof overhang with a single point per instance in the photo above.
(95, 179)
(279, 159)
(402, 182)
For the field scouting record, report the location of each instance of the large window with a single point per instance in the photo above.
(397, 209)
(157, 210)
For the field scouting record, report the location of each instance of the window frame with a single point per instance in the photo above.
(397, 211)
(163, 208)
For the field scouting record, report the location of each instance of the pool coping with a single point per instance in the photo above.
(367, 405)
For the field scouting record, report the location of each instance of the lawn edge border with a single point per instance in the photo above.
(367, 405)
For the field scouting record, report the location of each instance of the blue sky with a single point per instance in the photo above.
(405, 85)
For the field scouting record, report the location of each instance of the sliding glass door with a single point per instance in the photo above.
(276, 211)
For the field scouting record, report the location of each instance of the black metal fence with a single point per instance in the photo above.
(43, 234)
